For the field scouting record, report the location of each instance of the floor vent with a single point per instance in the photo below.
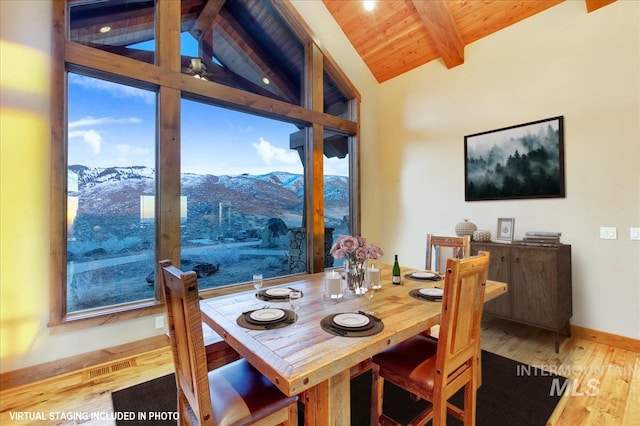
(108, 369)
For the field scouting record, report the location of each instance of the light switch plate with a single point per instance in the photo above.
(159, 321)
(608, 233)
(634, 233)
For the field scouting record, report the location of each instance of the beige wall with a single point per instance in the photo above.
(563, 61)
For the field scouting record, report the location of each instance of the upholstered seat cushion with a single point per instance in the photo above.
(240, 394)
(413, 361)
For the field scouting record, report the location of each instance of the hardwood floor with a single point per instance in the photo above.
(605, 386)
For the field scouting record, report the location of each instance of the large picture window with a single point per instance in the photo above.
(111, 180)
(244, 188)
(192, 131)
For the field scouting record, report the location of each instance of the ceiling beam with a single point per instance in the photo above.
(202, 29)
(209, 12)
(253, 56)
(441, 27)
(597, 4)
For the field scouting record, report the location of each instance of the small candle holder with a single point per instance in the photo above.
(333, 286)
(373, 276)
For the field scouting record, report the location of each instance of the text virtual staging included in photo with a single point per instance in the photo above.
(511, 394)
(231, 226)
(522, 161)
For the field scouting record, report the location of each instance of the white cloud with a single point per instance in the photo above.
(116, 90)
(93, 138)
(90, 137)
(91, 121)
(274, 156)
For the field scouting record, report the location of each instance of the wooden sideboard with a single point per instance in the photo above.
(539, 280)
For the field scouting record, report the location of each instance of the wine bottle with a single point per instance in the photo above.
(395, 274)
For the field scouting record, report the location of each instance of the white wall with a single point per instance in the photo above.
(563, 61)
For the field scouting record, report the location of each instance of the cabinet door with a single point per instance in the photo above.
(534, 295)
(498, 271)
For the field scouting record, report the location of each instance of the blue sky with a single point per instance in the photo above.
(114, 125)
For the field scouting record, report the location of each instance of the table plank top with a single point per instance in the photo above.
(298, 358)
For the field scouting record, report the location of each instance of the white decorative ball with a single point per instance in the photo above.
(482, 236)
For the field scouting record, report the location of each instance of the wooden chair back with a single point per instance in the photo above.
(459, 337)
(435, 369)
(185, 334)
(441, 248)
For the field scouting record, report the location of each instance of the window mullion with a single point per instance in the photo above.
(168, 138)
(315, 174)
(168, 30)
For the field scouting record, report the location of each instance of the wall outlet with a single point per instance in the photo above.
(608, 233)
(160, 321)
(634, 233)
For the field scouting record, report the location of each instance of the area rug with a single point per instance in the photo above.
(511, 394)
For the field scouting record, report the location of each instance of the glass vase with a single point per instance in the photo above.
(355, 274)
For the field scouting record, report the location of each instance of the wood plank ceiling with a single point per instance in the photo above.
(400, 35)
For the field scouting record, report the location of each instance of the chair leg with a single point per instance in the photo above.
(470, 395)
(293, 415)
(439, 407)
(469, 404)
(478, 372)
(377, 386)
(186, 416)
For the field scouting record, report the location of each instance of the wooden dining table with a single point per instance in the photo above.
(308, 361)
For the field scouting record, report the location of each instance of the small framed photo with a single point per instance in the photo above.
(505, 228)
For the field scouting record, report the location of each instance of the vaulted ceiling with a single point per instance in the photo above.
(243, 43)
(400, 35)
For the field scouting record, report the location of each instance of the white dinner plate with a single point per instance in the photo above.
(267, 314)
(424, 275)
(278, 292)
(433, 292)
(351, 320)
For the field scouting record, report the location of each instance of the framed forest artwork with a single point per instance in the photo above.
(523, 161)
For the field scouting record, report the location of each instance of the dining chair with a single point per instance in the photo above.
(435, 369)
(440, 248)
(233, 394)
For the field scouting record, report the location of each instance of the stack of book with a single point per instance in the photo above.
(536, 238)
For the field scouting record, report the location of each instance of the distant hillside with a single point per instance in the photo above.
(116, 191)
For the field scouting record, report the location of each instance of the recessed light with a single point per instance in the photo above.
(369, 5)
(105, 29)
(265, 80)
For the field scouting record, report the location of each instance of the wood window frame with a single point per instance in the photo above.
(171, 85)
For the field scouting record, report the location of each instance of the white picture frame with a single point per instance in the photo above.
(505, 228)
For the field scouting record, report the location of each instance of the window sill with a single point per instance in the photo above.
(111, 315)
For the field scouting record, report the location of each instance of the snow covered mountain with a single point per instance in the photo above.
(117, 191)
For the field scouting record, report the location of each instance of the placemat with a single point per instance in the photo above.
(411, 277)
(288, 319)
(415, 293)
(262, 295)
(329, 326)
